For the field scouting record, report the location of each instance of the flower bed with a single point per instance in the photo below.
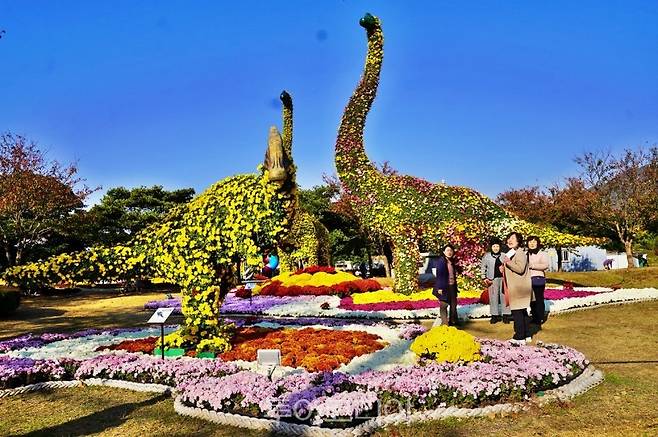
(143, 345)
(277, 288)
(259, 304)
(151, 370)
(308, 348)
(165, 303)
(506, 373)
(367, 375)
(559, 294)
(78, 345)
(382, 296)
(387, 304)
(16, 372)
(446, 344)
(312, 349)
(35, 341)
(316, 269)
(316, 281)
(347, 303)
(333, 306)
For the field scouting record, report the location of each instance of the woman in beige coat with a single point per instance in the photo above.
(518, 286)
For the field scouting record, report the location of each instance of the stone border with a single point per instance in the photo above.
(589, 378)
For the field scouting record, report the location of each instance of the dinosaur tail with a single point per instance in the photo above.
(350, 151)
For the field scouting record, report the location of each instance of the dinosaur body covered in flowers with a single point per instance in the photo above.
(197, 245)
(410, 212)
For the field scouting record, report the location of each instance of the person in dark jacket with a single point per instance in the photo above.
(445, 286)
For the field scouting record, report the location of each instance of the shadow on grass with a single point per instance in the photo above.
(98, 421)
(90, 308)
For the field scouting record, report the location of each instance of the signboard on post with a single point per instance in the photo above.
(160, 316)
(269, 358)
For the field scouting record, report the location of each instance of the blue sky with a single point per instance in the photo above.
(490, 95)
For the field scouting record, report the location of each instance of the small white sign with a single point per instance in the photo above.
(268, 357)
(160, 315)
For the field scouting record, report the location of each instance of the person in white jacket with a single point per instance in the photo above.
(538, 266)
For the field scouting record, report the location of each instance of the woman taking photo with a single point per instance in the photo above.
(518, 287)
(445, 287)
(538, 265)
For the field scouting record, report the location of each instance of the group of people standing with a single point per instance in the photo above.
(516, 281)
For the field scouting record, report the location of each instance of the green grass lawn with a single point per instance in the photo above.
(646, 277)
(616, 338)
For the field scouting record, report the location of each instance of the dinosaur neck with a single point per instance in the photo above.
(286, 136)
(287, 130)
(351, 158)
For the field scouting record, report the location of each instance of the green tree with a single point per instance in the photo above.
(623, 193)
(123, 212)
(37, 196)
(348, 241)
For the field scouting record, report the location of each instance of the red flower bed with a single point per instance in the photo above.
(314, 349)
(145, 345)
(347, 303)
(243, 292)
(316, 269)
(276, 288)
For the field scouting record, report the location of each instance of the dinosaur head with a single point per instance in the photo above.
(275, 158)
(369, 22)
(286, 100)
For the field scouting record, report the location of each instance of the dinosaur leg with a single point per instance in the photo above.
(405, 261)
(286, 261)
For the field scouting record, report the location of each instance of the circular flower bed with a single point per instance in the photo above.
(454, 369)
(505, 373)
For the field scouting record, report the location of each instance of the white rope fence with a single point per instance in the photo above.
(129, 385)
(599, 305)
(41, 386)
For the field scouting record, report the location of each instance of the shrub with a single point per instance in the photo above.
(9, 301)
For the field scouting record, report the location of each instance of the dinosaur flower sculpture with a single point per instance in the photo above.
(196, 245)
(412, 212)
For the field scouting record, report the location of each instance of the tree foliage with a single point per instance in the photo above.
(614, 196)
(622, 192)
(36, 195)
(123, 212)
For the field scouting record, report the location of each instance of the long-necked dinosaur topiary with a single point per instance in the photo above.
(308, 240)
(412, 212)
(197, 245)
